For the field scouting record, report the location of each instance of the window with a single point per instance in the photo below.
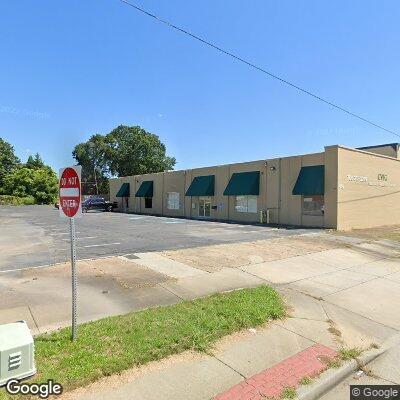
(148, 202)
(173, 201)
(246, 204)
(313, 205)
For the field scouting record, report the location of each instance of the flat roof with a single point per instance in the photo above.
(393, 145)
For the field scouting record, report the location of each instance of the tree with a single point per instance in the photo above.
(91, 155)
(127, 150)
(134, 151)
(35, 162)
(40, 183)
(8, 160)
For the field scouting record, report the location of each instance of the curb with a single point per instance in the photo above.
(332, 377)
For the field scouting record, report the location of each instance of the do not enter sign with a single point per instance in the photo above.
(70, 192)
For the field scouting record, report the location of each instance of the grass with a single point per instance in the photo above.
(306, 380)
(114, 344)
(349, 354)
(289, 393)
(16, 201)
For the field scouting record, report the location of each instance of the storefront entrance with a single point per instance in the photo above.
(204, 207)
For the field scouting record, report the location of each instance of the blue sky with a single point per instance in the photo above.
(70, 69)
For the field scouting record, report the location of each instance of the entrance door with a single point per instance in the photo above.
(204, 207)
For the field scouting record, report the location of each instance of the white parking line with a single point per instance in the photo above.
(98, 245)
(60, 233)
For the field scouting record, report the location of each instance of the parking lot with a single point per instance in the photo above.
(35, 236)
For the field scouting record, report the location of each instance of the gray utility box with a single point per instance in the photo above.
(16, 352)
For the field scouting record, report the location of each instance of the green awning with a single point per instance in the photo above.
(243, 183)
(202, 186)
(145, 190)
(311, 181)
(124, 190)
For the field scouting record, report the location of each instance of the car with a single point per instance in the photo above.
(97, 203)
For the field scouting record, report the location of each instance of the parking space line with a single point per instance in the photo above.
(98, 245)
(60, 233)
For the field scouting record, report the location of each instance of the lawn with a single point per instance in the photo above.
(111, 345)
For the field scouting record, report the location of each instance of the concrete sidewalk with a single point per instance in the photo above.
(342, 297)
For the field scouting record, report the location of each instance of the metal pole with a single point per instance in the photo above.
(74, 278)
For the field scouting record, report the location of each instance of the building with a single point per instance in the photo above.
(341, 188)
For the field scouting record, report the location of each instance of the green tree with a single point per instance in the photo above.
(40, 183)
(35, 161)
(8, 160)
(91, 155)
(134, 151)
(127, 150)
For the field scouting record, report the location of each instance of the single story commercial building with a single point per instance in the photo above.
(341, 188)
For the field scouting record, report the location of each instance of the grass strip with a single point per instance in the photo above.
(111, 345)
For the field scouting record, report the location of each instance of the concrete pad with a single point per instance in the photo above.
(376, 299)
(288, 270)
(379, 268)
(317, 331)
(197, 380)
(317, 290)
(356, 330)
(389, 243)
(394, 277)
(206, 284)
(342, 258)
(262, 350)
(10, 315)
(166, 266)
(387, 365)
(303, 306)
(342, 279)
(378, 250)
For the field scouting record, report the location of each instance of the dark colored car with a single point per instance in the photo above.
(97, 204)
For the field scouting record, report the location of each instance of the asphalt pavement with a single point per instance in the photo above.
(34, 236)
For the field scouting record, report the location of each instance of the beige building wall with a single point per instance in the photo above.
(139, 202)
(125, 205)
(219, 202)
(174, 182)
(285, 208)
(362, 189)
(368, 189)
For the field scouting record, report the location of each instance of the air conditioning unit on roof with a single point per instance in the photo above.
(16, 352)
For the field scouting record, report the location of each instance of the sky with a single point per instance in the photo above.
(71, 69)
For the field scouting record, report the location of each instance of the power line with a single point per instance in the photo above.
(254, 66)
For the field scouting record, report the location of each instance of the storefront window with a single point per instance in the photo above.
(313, 205)
(148, 202)
(247, 204)
(173, 201)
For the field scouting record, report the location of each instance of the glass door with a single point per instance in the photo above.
(204, 207)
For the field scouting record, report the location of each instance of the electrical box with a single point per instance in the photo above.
(16, 352)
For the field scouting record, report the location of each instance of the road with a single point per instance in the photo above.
(34, 236)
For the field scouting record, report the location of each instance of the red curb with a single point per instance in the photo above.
(272, 381)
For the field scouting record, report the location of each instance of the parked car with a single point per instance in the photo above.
(95, 203)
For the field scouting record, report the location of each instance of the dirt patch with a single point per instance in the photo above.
(233, 255)
(391, 232)
(126, 273)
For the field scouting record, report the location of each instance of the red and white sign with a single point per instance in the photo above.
(70, 192)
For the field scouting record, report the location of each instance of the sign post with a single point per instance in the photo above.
(71, 207)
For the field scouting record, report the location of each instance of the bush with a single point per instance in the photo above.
(40, 183)
(6, 200)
